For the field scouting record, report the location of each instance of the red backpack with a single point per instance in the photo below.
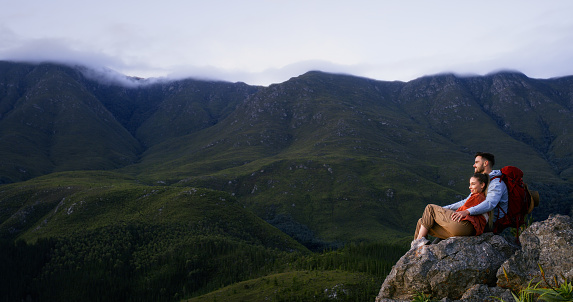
(519, 200)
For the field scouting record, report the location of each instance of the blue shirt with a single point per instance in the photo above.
(496, 196)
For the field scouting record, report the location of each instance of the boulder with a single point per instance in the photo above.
(447, 269)
(483, 293)
(547, 244)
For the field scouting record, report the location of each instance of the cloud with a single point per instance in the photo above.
(262, 42)
(51, 49)
(264, 77)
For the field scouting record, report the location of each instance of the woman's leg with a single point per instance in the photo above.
(437, 222)
(421, 230)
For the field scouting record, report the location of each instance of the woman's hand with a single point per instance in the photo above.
(458, 216)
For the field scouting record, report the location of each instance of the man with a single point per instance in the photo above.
(496, 191)
(444, 222)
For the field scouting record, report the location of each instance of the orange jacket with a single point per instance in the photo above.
(478, 221)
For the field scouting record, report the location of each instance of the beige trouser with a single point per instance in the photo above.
(439, 223)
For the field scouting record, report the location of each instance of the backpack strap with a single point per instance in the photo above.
(497, 206)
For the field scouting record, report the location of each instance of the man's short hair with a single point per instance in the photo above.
(488, 156)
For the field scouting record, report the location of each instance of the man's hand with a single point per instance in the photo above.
(458, 216)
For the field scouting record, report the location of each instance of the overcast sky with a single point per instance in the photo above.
(269, 41)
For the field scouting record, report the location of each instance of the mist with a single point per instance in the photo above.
(261, 42)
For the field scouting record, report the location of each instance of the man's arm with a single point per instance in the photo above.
(494, 193)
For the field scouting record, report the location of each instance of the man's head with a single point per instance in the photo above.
(484, 162)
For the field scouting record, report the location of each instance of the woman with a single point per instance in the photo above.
(444, 222)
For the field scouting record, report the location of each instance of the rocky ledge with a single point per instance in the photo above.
(478, 268)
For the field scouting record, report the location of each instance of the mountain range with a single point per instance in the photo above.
(337, 157)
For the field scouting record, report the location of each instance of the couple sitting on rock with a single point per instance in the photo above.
(469, 216)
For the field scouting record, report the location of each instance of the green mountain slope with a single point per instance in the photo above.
(154, 112)
(86, 201)
(51, 122)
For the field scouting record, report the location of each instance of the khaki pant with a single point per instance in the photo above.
(440, 224)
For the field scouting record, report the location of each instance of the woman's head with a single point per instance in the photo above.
(478, 182)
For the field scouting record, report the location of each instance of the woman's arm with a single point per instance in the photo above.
(455, 206)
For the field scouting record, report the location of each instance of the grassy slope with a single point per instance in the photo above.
(299, 286)
(65, 202)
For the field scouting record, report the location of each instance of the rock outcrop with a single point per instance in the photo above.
(472, 268)
(548, 246)
(447, 269)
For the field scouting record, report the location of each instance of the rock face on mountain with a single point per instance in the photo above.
(471, 268)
